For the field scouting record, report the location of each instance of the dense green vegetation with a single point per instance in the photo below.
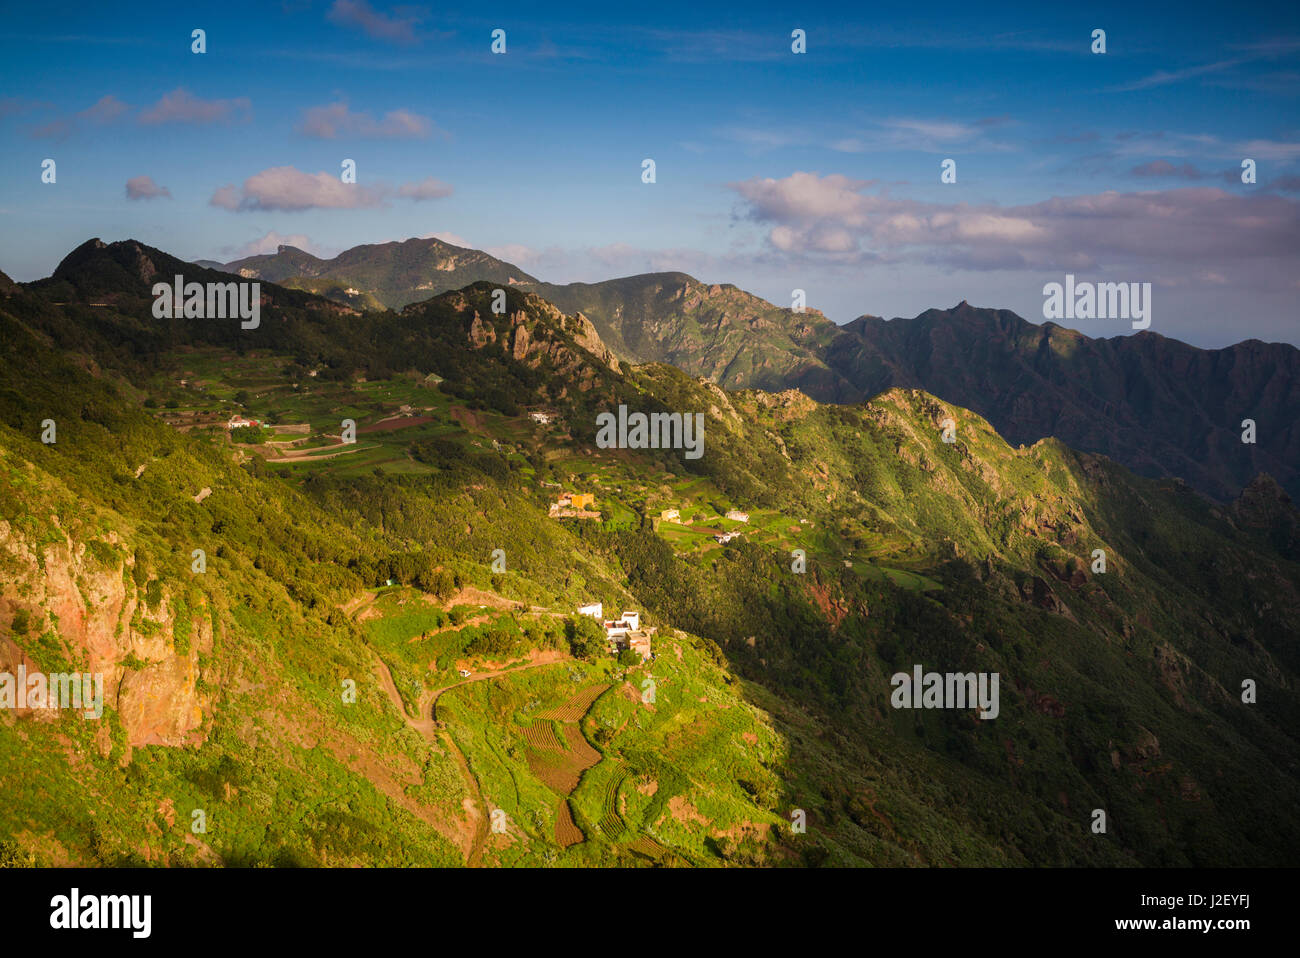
(373, 569)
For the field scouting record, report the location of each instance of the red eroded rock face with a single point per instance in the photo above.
(94, 608)
(159, 704)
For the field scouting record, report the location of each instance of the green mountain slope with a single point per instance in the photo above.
(224, 691)
(1158, 406)
(719, 332)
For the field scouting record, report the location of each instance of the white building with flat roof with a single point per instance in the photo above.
(616, 630)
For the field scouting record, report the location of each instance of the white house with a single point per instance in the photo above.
(737, 516)
(725, 537)
(238, 422)
(618, 629)
(540, 417)
(596, 610)
(626, 633)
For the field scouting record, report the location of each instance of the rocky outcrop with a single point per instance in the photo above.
(85, 602)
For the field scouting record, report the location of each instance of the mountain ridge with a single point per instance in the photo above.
(1157, 404)
(387, 275)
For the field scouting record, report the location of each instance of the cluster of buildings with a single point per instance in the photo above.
(675, 515)
(574, 505)
(622, 633)
(238, 422)
(542, 418)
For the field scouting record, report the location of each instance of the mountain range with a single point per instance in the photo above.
(426, 566)
(1155, 404)
(384, 275)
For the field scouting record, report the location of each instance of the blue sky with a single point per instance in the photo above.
(775, 171)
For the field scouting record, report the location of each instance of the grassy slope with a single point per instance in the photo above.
(999, 538)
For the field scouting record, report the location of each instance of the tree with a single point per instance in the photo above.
(586, 638)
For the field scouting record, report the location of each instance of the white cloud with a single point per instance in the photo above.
(104, 110)
(144, 188)
(181, 106)
(379, 26)
(335, 119)
(288, 189)
(1191, 233)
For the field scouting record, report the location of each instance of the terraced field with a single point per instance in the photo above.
(541, 735)
(560, 765)
(611, 823)
(567, 833)
(576, 707)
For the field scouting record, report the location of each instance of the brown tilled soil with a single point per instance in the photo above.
(542, 735)
(566, 830)
(576, 707)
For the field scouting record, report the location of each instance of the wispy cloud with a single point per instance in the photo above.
(1163, 168)
(103, 111)
(144, 188)
(426, 189)
(358, 14)
(1163, 77)
(336, 119)
(287, 189)
(1251, 52)
(181, 106)
(924, 135)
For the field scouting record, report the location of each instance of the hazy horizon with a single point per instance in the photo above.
(775, 170)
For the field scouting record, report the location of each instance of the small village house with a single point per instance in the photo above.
(618, 628)
(737, 516)
(639, 642)
(626, 633)
(574, 505)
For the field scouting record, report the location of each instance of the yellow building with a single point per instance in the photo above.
(583, 500)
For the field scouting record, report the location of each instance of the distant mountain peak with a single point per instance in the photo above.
(388, 275)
